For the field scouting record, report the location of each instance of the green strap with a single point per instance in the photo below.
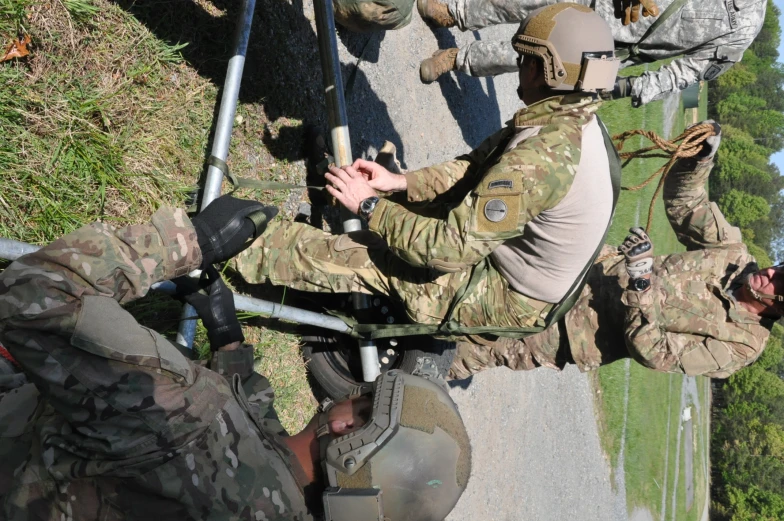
(633, 50)
(450, 327)
(238, 183)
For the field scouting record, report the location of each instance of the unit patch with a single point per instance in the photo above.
(501, 183)
(495, 210)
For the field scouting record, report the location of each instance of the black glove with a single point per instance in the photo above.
(638, 250)
(226, 226)
(622, 89)
(214, 303)
(711, 145)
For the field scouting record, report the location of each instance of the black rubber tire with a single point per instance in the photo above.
(332, 374)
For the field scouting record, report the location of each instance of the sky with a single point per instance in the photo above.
(778, 158)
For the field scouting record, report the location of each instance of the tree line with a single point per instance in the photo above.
(747, 101)
(747, 449)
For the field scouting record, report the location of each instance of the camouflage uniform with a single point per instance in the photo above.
(687, 322)
(710, 34)
(125, 426)
(423, 251)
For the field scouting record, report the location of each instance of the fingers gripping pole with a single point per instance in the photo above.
(341, 147)
(220, 145)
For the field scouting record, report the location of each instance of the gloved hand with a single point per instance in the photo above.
(638, 250)
(226, 226)
(628, 11)
(214, 303)
(711, 145)
(622, 89)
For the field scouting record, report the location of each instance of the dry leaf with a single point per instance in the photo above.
(16, 49)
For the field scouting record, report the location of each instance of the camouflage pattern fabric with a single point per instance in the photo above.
(125, 427)
(708, 35)
(687, 322)
(423, 250)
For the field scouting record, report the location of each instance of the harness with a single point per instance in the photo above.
(634, 50)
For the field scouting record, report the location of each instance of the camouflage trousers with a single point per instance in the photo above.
(490, 58)
(302, 257)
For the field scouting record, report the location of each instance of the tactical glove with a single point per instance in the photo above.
(628, 11)
(710, 145)
(226, 226)
(638, 250)
(214, 303)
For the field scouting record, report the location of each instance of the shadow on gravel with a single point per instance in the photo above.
(282, 70)
(475, 111)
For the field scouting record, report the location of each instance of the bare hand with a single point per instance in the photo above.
(348, 186)
(379, 177)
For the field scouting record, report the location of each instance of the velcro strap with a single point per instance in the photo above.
(639, 268)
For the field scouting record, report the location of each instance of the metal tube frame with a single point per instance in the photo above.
(341, 149)
(341, 144)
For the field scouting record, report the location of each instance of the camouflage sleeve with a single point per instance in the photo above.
(705, 65)
(693, 354)
(428, 183)
(697, 222)
(60, 317)
(531, 178)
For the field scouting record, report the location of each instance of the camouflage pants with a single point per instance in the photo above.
(490, 58)
(305, 258)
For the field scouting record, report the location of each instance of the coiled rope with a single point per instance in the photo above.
(686, 145)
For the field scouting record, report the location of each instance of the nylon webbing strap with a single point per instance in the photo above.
(634, 50)
(238, 183)
(450, 327)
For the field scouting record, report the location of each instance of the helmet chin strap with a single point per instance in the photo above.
(777, 299)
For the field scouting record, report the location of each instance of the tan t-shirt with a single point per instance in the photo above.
(544, 262)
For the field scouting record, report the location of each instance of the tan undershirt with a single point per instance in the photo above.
(556, 245)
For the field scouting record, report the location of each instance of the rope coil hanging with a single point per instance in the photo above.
(686, 145)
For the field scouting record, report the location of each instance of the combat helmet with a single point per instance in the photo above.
(410, 462)
(575, 45)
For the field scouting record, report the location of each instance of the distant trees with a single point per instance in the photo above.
(749, 104)
(747, 450)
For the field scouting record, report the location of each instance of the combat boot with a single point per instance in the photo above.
(442, 61)
(435, 13)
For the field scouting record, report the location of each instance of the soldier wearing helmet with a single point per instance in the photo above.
(704, 37)
(704, 311)
(115, 423)
(494, 238)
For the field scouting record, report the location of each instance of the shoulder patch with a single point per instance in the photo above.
(495, 210)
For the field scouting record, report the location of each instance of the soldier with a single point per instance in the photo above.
(707, 311)
(496, 236)
(711, 35)
(117, 424)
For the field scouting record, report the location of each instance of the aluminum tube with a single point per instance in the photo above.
(12, 250)
(341, 147)
(273, 310)
(220, 144)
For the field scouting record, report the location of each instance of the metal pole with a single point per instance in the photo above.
(12, 250)
(341, 148)
(220, 145)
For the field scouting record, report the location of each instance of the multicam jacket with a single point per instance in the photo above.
(688, 321)
(117, 423)
(491, 198)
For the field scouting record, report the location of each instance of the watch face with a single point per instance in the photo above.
(641, 284)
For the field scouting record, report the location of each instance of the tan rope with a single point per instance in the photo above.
(688, 144)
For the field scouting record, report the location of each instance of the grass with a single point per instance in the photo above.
(110, 118)
(653, 398)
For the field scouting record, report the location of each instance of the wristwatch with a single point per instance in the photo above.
(367, 206)
(639, 284)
